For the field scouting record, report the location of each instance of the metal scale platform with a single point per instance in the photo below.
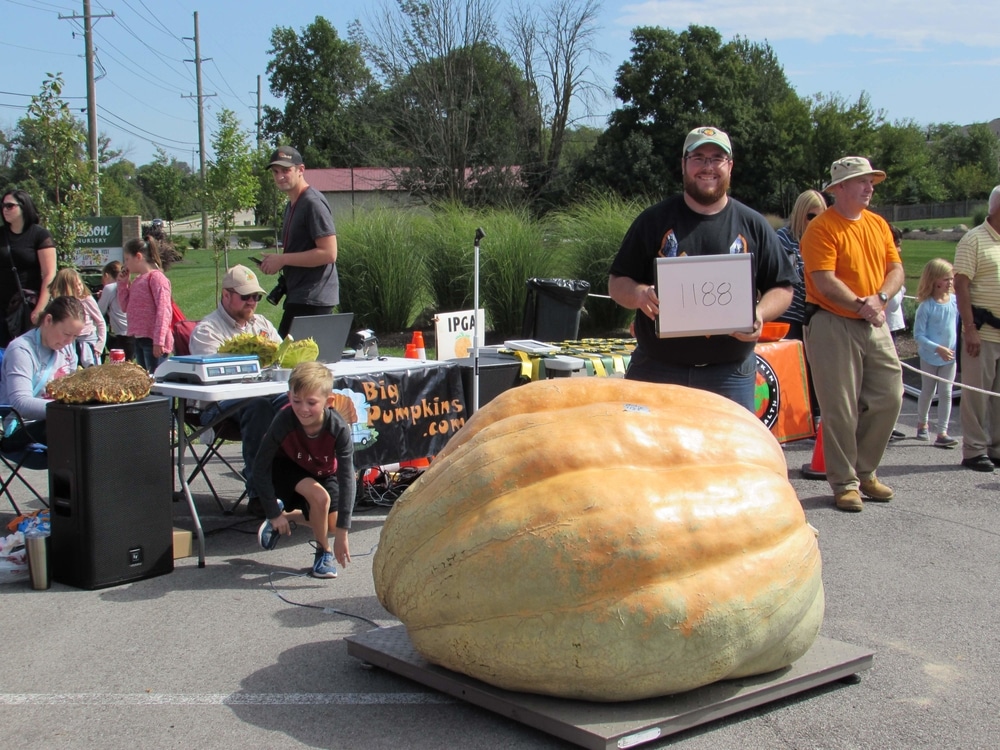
(615, 725)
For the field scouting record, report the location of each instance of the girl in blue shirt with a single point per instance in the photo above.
(935, 329)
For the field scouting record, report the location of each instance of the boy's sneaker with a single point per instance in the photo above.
(922, 433)
(266, 534)
(323, 566)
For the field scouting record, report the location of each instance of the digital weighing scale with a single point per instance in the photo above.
(205, 369)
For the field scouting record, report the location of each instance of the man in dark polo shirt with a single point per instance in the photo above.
(308, 257)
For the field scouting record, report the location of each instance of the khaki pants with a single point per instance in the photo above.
(859, 385)
(981, 413)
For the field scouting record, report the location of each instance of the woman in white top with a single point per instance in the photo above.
(118, 337)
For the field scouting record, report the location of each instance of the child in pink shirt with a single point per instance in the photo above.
(146, 301)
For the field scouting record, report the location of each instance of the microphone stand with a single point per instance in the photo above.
(475, 317)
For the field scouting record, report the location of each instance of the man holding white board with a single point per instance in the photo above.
(700, 328)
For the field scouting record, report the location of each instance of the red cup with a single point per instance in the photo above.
(117, 355)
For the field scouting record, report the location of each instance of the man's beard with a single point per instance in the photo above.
(242, 315)
(705, 197)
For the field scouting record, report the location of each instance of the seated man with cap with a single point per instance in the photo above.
(236, 314)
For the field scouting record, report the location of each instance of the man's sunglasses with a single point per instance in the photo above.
(256, 296)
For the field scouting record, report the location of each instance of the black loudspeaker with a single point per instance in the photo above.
(497, 373)
(110, 492)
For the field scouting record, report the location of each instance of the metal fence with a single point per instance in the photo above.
(929, 210)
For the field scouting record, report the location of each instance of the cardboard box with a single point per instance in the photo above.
(182, 543)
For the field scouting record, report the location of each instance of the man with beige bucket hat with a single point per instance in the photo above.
(852, 269)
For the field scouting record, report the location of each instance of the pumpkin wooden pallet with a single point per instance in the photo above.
(604, 726)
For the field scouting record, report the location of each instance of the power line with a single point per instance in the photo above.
(131, 65)
(56, 8)
(158, 26)
(15, 93)
(147, 105)
(147, 132)
(164, 146)
(41, 51)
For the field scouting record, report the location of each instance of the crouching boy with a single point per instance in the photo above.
(306, 460)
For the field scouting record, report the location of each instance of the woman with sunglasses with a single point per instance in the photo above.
(146, 301)
(26, 248)
(808, 206)
(236, 314)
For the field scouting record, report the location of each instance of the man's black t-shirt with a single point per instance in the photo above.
(669, 229)
(24, 249)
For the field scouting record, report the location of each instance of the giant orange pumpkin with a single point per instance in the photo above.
(605, 540)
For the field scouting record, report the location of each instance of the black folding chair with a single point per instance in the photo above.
(20, 455)
(226, 429)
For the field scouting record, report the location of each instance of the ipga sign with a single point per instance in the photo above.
(100, 242)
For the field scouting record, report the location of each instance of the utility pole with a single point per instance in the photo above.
(260, 136)
(201, 125)
(88, 41)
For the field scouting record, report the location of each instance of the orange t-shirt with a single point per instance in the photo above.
(858, 252)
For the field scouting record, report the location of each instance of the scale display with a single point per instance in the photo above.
(208, 368)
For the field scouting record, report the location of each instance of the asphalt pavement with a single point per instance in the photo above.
(248, 652)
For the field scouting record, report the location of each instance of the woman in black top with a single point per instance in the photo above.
(28, 247)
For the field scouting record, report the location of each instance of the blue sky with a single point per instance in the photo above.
(924, 60)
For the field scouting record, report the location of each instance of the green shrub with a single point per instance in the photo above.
(181, 244)
(591, 233)
(512, 253)
(446, 240)
(195, 241)
(243, 242)
(775, 221)
(979, 216)
(383, 277)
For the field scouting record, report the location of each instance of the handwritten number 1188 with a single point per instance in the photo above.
(710, 295)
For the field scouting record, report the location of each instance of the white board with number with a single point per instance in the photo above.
(702, 295)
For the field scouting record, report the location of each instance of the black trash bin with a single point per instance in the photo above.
(552, 309)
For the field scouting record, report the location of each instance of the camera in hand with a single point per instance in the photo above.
(278, 292)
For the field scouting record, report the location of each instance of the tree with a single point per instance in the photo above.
(455, 101)
(51, 157)
(270, 202)
(553, 46)
(169, 184)
(325, 84)
(841, 128)
(121, 193)
(230, 182)
(674, 82)
(976, 146)
(901, 150)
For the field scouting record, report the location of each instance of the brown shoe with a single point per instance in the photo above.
(875, 490)
(849, 500)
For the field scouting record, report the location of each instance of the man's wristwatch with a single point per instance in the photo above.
(883, 298)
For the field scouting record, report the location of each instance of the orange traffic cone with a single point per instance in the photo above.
(416, 463)
(816, 469)
(411, 352)
(418, 343)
